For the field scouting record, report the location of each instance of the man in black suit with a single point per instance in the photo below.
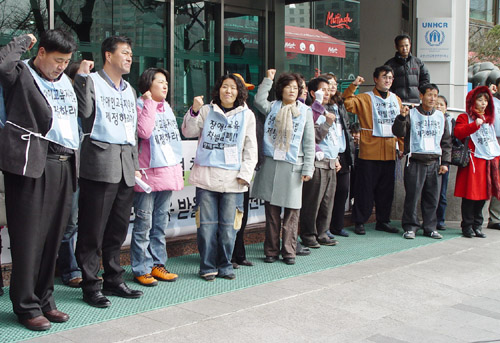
(107, 106)
(37, 155)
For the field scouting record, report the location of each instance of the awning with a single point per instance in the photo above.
(312, 42)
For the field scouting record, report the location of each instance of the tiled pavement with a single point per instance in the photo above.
(445, 292)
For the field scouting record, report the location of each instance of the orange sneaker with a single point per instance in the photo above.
(146, 280)
(159, 272)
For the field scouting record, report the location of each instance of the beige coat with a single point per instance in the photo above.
(217, 179)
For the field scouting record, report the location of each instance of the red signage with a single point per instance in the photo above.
(312, 42)
(336, 21)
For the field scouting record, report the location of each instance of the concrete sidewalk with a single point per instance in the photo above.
(444, 292)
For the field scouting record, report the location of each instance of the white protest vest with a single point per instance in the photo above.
(165, 141)
(330, 144)
(450, 123)
(485, 142)
(299, 123)
(496, 104)
(384, 111)
(116, 115)
(221, 141)
(62, 101)
(426, 132)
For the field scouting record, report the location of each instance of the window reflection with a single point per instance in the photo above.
(195, 53)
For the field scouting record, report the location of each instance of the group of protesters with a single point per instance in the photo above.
(125, 152)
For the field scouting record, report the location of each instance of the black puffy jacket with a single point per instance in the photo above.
(409, 74)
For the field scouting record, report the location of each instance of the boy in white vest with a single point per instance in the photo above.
(428, 150)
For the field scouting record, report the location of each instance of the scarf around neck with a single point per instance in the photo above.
(284, 126)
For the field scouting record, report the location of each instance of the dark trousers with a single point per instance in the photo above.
(317, 205)
(374, 183)
(37, 213)
(66, 259)
(421, 182)
(441, 210)
(104, 215)
(472, 213)
(289, 231)
(341, 194)
(239, 253)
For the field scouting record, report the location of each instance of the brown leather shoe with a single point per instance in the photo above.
(75, 282)
(56, 316)
(39, 323)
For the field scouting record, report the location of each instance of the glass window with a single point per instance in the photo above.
(22, 17)
(351, 64)
(243, 47)
(338, 18)
(332, 65)
(301, 63)
(482, 10)
(144, 24)
(196, 53)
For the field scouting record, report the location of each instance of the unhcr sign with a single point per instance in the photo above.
(434, 39)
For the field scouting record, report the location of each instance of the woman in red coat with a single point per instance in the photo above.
(479, 181)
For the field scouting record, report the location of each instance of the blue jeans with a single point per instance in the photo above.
(441, 210)
(218, 218)
(66, 260)
(148, 247)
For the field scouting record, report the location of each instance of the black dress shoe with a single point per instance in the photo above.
(270, 259)
(96, 299)
(385, 227)
(39, 323)
(468, 232)
(235, 265)
(494, 226)
(56, 316)
(359, 229)
(245, 263)
(479, 233)
(289, 260)
(122, 290)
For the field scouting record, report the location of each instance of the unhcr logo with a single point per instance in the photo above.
(434, 37)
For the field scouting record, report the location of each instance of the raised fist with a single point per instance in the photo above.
(358, 81)
(270, 74)
(197, 103)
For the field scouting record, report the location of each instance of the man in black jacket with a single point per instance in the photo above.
(37, 155)
(410, 72)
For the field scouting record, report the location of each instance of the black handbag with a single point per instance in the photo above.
(460, 154)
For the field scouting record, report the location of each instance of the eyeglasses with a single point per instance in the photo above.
(293, 88)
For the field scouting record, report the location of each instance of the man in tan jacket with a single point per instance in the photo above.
(374, 182)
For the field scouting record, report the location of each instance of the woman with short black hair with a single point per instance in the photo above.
(160, 155)
(289, 145)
